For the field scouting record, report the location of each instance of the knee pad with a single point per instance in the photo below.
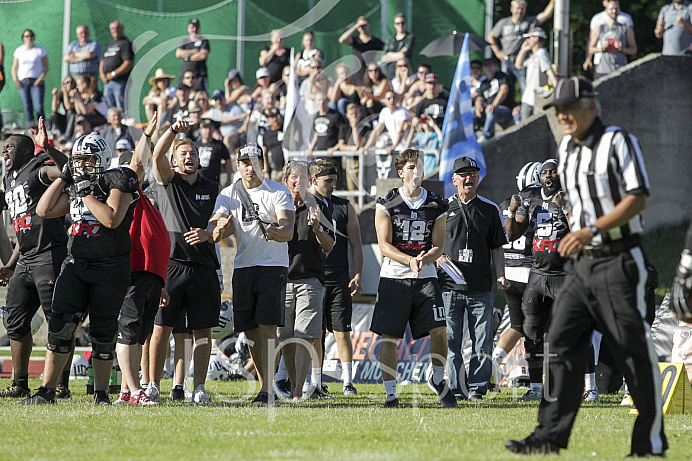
(61, 330)
(103, 350)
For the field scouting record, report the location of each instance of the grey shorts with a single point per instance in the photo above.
(304, 310)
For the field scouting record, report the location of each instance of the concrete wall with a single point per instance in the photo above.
(651, 98)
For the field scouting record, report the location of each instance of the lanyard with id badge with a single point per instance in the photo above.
(465, 255)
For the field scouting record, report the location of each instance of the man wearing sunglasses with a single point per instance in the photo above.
(474, 236)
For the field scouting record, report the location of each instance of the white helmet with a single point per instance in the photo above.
(80, 366)
(36, 321)
(94, 148)
(225, 326)
(529, 175)
(218, 369)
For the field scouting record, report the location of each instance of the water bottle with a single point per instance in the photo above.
(90, 381)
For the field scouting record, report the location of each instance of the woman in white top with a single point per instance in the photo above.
(29, 70)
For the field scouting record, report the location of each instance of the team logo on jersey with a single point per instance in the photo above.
(414, 215)
(202, 197)
(86, 229)
(22, 223)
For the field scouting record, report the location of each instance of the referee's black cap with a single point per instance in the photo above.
(570, 90)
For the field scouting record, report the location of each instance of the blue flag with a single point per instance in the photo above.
(458, 137)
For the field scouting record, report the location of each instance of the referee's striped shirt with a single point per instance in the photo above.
(597, 173)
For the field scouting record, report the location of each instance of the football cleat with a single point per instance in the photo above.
(123, 398)
(63, 393)
(140, 398)
(282, 388)
(263, 399)
(444, 393)
(177, 394)
(476, 398)
(392, 401)
(14, 391)
(627, 399)
(349, 390)
(200, 396)
(532, 445)
(43, 396)
(101, 398)
(532, 395)
(318, 393)
(591, 396)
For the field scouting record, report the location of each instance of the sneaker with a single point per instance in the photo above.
(140, 398)
(43, 396)
(282, 388)
(532, 395)
(444, 394)
(177, 394)
(101, 398)
(324, 389)
(460, 396)
(591, 396)
(392, 401)
(531, 445)
(263, 399)
(123, 398)
(153, 392)
(474, 397)
(200, 396)
(62, 393)
(627, 400)
(15, 391)
(349, 390)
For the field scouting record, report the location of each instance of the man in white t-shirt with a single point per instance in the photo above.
(596, 22)
(396, 120)
(539, 70)
(261, 261)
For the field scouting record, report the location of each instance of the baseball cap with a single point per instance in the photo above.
(125, 157)
(570, 90)
(123, 144)
(233, 74)
(262, 72)
(218, 94)
(192, 106)
(271, 112)
(432, 78)
(249, 152)
(194, 21)
(465, 163)
(535, 31)
(80, 119)
(206, 122)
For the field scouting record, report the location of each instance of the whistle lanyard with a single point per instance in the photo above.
(466, 220)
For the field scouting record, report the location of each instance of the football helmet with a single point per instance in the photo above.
(218, 369)
(36, 321)
(91, 152)
(529, 175)
(225, 326)
(80, 367)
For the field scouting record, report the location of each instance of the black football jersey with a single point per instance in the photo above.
(37, 237)
(549, 225)
(412, 229)
(90, 241)
(518, 253)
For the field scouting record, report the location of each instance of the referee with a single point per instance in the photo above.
(602, 170)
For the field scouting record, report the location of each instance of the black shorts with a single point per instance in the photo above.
(139, 309)
(514, 296)
(338, 308)
(417, 302)
(194, 290)
(29, 288)
(96, 290)
(259, 296)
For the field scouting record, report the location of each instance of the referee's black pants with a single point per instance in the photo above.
(605, 293)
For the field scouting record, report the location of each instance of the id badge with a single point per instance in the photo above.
(466, 255)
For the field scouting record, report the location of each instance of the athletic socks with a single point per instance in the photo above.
(22, 381)
(282, 373)
(347, 372)
(438, 374)
(589, 381)
(317, 377)
(64, 380)
(390, 387)
(498, 355)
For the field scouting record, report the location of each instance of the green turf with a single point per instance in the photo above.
(344, 428)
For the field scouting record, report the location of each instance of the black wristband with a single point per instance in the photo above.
(150, 135)
(171, 128)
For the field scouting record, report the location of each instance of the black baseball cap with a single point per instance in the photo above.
(249, 152)
(207, 122)
(465, 163)
(194, 21)
(570, 90)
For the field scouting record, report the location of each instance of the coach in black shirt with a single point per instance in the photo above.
(474, 235)
(602, 171)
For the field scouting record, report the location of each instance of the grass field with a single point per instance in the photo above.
(355, 428)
